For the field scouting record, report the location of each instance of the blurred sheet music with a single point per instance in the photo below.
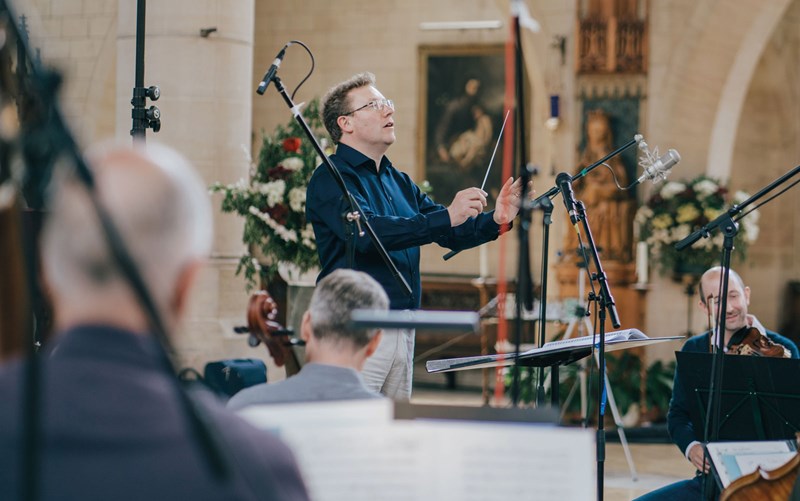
(376, 458)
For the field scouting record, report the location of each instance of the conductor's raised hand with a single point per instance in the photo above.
(466, 204)
(508, 201)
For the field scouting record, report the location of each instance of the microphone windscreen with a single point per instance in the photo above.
(418, 319)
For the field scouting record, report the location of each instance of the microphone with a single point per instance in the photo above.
(564, 183)
(657, 169)
(417, 319)
(262, 87)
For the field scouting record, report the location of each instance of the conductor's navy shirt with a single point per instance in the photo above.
(402, 216)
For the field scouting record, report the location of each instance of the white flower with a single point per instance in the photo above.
(706, 187)
(274, 191)
(750, 226)
(297, 199)
(740, 196)
(307, 237)
(292, 163)
(680, 232)
(643, 215)
(283, 232)
(659, 236)
(671, 189)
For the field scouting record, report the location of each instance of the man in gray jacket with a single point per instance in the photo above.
(335, 352)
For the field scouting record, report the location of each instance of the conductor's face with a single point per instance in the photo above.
(372, 120)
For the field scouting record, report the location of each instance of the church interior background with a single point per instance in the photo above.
(714, 79)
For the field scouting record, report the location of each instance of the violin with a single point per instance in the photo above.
(750, 341)
(262, 312)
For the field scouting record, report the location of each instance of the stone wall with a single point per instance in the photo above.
(729, 104)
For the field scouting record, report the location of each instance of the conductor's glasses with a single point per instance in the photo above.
(379, 104)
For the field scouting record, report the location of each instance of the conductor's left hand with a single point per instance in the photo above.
(509, 202)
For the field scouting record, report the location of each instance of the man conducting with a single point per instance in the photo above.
(112, 425)
(360, 120)
(335, 352)
(679, 423)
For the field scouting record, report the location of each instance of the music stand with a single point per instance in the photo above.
(561, 352)
(760, 397)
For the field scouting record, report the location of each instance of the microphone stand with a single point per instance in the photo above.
(606, 303)
(554, 190)
(730, 229)
(546, 205)
(545, 202)
(356, 215)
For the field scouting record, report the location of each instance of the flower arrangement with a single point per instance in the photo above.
(273, 201)
(679, 208)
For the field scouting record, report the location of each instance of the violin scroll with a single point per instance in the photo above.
(263, 327)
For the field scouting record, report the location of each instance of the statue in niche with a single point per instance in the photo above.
(609, 209)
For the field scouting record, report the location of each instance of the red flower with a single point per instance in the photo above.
(291, 144)
(279, 213)
(279, 172)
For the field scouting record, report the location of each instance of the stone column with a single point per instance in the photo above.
(206, 112)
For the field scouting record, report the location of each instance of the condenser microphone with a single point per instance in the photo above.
(564, 183)
(658, 169)
(262, 87)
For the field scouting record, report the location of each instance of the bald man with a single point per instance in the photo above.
(112, 425)
(679, 423)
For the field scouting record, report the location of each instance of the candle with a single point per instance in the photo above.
(483, 265)
(641, 262)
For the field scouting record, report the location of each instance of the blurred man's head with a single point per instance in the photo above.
(326, 329)
(160, 207)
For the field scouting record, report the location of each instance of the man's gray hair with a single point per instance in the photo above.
(157, 202)
(336, 102)
(335, 298)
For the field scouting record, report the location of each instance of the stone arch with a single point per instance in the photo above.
(702, 86)
(737, 83)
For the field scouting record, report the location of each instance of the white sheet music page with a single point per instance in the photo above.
(437, 459)
(735, 459)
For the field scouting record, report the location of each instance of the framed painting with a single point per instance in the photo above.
(460, 116)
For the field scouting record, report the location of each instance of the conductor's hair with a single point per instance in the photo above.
(336, 102)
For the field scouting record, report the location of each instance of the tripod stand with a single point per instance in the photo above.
(581, 321)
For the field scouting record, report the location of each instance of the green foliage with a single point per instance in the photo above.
(272, 201)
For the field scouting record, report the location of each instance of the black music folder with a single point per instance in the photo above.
(760, 396)
(561, 352)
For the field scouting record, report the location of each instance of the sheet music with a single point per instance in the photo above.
(332, 413)
(734, 459)
(436, 459)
